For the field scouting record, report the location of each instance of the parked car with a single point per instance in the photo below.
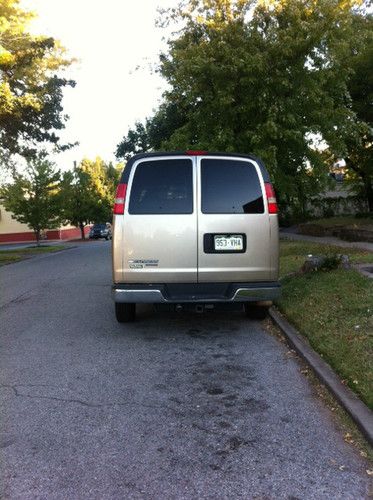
(100, 231)
(197, 230)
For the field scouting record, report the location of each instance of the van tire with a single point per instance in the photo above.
(254, 311)
(125, 312)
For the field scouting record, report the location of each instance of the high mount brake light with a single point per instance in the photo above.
(120, 199)
(271, 198)
(191, 152)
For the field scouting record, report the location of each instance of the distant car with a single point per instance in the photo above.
(100, 231)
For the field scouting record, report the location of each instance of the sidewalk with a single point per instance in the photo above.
(326, 240)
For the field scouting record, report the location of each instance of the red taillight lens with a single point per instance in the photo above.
(120, 199)
(271, 199)
(192, 152)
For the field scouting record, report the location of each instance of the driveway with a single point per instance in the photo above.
(175, 406)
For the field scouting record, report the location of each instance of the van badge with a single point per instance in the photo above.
(141, 263)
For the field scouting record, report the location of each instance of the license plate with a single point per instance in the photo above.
(232, 243)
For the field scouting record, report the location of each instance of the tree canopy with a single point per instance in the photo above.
(31, 85)
(269, 78)
(33, 196)
(359, 157)
(87, 192)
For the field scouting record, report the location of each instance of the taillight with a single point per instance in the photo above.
(120, 199)
(271, 198)
(192, 152)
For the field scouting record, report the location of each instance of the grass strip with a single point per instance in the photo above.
(10, 256)
(334, 310)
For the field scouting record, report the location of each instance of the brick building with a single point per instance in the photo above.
(12, 231)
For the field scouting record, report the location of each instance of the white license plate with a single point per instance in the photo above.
(228, 243)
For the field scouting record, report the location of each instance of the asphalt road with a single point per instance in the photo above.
(175, 406)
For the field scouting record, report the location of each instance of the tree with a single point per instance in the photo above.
(156, 130)
(265, 78)
(87, 193)
(78, 200)
(30, 84)
(32, 197)
(104, 178)
(359, 158)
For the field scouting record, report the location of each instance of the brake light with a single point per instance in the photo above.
(271, 198)
(120, 199)
(192, 152)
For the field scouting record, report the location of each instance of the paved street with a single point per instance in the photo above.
(175, 406)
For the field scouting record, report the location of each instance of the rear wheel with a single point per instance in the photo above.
(125, 312)
(254, 311)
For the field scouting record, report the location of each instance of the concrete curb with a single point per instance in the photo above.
(358, 411)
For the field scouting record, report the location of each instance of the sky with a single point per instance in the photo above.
(116, 44)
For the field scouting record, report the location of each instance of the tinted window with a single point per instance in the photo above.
(230, 187)
(162, 187)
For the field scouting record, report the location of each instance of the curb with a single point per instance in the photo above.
(359, 412)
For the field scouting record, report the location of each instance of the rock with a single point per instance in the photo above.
(326, 262)
(313, 263)
(344, 262)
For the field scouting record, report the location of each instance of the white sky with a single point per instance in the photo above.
(110, 39)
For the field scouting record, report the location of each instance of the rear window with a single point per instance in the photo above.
(162, 187)
(230, 187)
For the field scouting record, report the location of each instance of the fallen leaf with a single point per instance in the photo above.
(348, 438)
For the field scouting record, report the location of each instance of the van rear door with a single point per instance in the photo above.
(233, 222)
(160, 222)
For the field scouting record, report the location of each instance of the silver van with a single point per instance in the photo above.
(195, 230)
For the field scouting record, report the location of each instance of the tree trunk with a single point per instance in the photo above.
(81, 225)
(37, 236)
(368, 186)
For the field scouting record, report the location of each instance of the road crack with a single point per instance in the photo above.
(17, 393)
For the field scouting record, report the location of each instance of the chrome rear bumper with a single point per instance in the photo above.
(196, 292)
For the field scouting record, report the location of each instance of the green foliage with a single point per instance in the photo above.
(156, 130)
(136, 141)
(359, 159)
(30, 84)
(87, 192)
(332, 261)
(33, 197)
(259, 77)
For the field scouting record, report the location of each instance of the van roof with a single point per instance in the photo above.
(127, 170)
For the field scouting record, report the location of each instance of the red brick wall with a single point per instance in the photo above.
(53, 234)
(17, 237)
(72, 233)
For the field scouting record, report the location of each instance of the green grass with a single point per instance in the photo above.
(294, 253)
(334, 310)
(10, 256)
(344, 221)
